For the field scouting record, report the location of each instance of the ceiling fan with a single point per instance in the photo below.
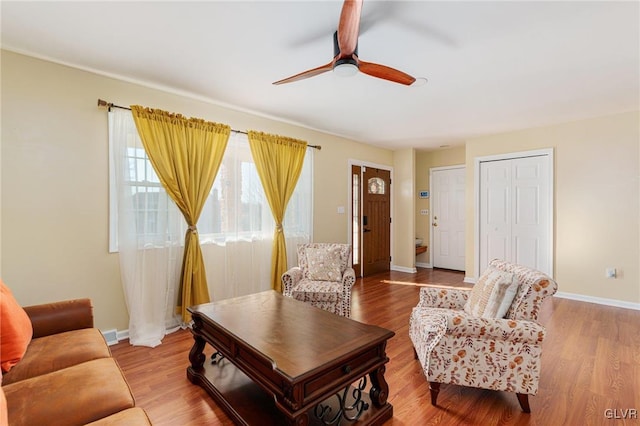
(345, 50)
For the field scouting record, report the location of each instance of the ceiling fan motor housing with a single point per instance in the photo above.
(336, 52)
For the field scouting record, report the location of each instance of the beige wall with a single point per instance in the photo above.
(425, 161)
(404, 192)
(54, 240)
(332, 183)
(597, 215)
(54, 187)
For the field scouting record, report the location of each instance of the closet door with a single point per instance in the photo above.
(495, 211)
(515, 215)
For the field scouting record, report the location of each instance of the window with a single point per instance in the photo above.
(376, 186)
(235, 229)
(236, 208)
(145, 189)
(355, 213)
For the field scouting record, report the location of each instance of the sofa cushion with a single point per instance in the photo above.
(15, 329)
(324, 265)
(72, 396)
(492, 295)
(130, 417)
(58, 351)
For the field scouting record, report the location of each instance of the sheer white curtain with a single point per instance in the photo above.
(236, 226)
(235, 229)
(150, 229)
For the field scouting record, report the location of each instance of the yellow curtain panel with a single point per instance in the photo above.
(279, 162)
(186, 154)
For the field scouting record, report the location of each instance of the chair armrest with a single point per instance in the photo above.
(290, 279)
(58, 317)
(441, 297)
(521, 331)
(348, 279)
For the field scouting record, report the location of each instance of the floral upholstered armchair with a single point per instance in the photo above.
(324, 277)
(485, 337)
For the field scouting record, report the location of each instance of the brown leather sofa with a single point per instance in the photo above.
(67, 375)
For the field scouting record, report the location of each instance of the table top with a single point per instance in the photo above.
(298, 338)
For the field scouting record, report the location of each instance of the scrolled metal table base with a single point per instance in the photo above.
(348, 411)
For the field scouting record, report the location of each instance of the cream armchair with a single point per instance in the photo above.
(456, 344)
(324, 277)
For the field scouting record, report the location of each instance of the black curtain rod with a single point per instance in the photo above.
(109, 105)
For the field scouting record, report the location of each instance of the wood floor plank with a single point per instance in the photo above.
(590, 363)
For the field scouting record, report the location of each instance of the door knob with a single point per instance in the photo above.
(435, 224)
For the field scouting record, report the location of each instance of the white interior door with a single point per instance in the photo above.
(448, 218)
(495, 211)
(515, 212)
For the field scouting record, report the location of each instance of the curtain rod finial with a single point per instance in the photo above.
(103, 103)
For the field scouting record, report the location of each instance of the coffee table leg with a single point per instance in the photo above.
(301, 420)
(379, 387)
(196, 355)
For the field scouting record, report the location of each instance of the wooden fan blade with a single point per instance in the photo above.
(385, 73)
(349, 27)
(307, 74)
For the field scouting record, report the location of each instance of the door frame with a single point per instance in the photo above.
(353, 162)
(548, 152)
(430, 215)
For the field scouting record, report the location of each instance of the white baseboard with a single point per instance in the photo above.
(123, 335)
(469, 280)
(114, 336)
(599, 300)
(424, 265)
(403, 269)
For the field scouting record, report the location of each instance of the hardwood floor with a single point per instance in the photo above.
(591, 364)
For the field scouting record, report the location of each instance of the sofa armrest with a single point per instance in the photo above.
(58, 317)
(290, 279)
(519, 331)
(443, 297)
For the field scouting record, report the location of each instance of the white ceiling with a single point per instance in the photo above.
(491, 66)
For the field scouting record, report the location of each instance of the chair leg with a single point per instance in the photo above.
(523, 399)
(434, 389)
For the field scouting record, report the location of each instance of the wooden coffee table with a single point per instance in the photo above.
(287, 362)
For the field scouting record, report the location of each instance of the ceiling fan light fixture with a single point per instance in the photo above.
(346, 68)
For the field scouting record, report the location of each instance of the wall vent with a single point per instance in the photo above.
(111, 336)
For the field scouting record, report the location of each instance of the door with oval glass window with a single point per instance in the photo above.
(376, 220)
